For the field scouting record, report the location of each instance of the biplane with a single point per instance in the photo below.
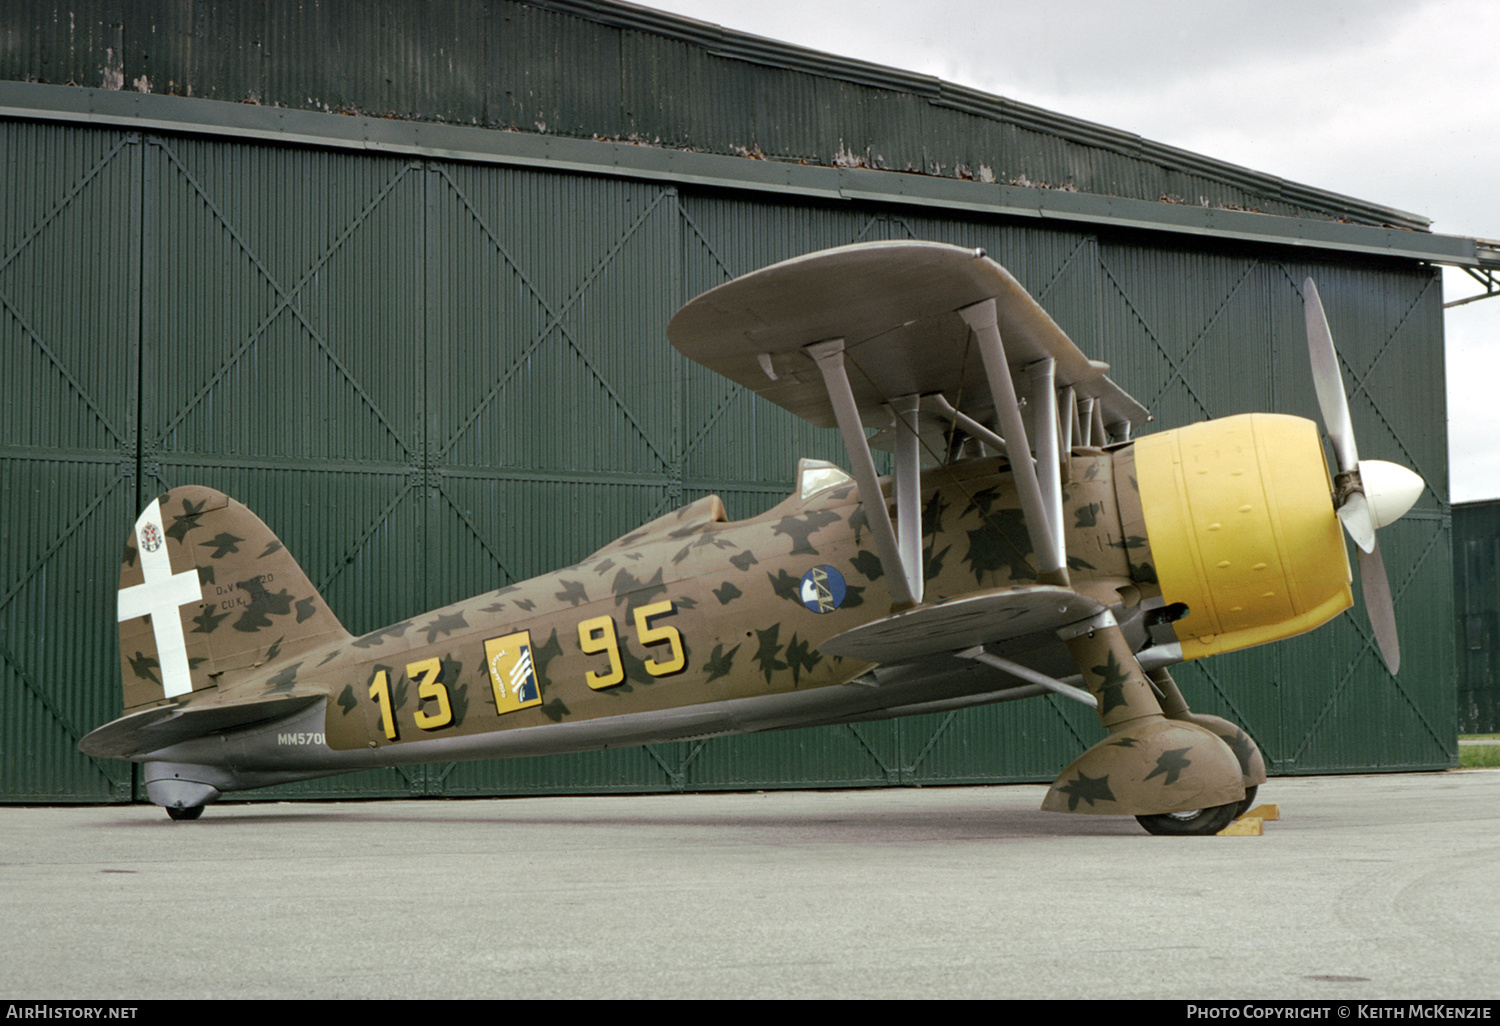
(1025, 544)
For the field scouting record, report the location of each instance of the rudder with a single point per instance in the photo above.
(206, 589)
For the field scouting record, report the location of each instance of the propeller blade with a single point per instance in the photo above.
(1376, 590)
(1355, 513)
(1375, 494)
(1327, 380)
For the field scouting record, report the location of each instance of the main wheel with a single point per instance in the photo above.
(1245, 802)
(1197, 823)
(182, 814)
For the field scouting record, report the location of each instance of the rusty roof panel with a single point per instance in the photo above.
(592, 69)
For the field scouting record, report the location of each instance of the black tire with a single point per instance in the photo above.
(1245, 802)
(185, 814)
(1199, 823)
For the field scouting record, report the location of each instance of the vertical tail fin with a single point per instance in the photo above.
(205, 589)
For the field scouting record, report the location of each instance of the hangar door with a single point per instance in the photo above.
(432, 379)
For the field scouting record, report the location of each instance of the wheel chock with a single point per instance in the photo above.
(1245, 826)
(1271, 811)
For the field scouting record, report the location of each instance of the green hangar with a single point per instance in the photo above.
(397, 275)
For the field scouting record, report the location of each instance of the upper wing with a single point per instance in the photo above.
(895, 306)
(936, 343)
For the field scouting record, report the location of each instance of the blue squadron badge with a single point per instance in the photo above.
(822, 589)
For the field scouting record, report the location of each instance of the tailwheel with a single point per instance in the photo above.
(179, 813)
(1195, 823)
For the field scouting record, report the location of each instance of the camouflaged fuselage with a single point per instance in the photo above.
(689, 613)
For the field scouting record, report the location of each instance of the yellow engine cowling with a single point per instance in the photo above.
(1240, 521)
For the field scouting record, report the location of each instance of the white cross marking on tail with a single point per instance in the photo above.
(160, 596)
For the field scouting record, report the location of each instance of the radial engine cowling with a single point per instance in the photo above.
(1240, 521)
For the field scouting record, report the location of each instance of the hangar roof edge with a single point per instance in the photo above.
(726, 42)
(654, 76)
(155, 112)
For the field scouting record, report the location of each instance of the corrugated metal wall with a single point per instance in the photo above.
(433, 378)
(69, 342)
(1476, 590)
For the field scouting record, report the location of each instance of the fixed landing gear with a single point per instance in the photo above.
(1198, 823)
(1149, 762)
(1159, 754)
(181, 788)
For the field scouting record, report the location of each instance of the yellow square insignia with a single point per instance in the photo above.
(512, 674)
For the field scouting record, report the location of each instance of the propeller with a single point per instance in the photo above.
(1367, 494)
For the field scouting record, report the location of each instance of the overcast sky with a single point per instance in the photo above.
(1390, 101)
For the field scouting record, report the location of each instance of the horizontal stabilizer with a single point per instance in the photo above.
(983, 618)
(156, 728)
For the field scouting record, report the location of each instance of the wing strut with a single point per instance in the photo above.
(945, 409)
(1085, 419)
(906, 410)
(1046, 536)
(1068, 421)
(1040, 376)
(1026, 673)
(905, 581)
